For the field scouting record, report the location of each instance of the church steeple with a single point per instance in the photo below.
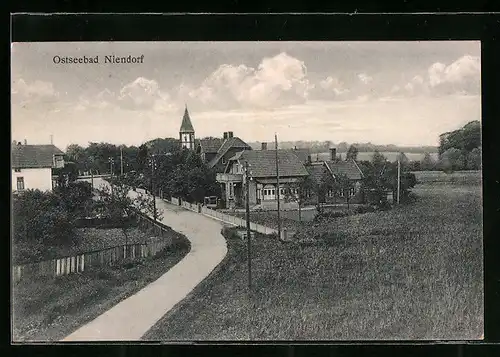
(186, 132)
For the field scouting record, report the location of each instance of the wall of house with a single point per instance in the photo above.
(40, 178)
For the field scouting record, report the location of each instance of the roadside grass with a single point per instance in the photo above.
(414, 272)
(50, 309)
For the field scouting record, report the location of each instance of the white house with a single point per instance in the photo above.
(32, 166)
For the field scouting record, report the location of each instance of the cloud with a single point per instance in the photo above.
(461, 76)
(277, 81)
(333, 85)
(37, 91)
(416, 86)
(141, 94)
(144, 93)
(366, 79)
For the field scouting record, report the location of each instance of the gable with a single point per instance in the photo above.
(231, 143)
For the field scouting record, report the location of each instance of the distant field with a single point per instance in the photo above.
(458, 177)
(367, 156)
(413, 272)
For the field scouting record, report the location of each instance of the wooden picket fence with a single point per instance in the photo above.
(226, 218)
(101, 258)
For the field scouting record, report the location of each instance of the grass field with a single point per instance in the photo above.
(414, 272)
(50, 309)
(457, 177)
(367, 156)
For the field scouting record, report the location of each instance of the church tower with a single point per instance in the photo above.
(186, 133)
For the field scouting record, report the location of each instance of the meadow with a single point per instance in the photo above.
(413, 272)
(367, 156)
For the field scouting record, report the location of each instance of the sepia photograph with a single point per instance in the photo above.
(246, 191)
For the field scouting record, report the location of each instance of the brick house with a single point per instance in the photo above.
(32, 166)
(263, 183)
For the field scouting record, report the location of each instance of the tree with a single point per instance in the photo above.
(474, 159)
(77, 154)
(345, 185)
(40, 222)
(427, 162)
(299, 192)
(352, 153)
(452, 159)
(76, 197)
(67, 174)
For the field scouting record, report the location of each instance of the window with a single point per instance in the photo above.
(17, 170)
(20, 183)
(230, 190)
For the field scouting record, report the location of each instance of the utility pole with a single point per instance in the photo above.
(247, 206)
(153, 167)
(278, 186)
(399, 178)
(121, 161)
(111, 167)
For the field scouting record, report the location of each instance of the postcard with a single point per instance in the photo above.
(246, 191)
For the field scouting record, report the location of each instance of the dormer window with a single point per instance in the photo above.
(223, 160)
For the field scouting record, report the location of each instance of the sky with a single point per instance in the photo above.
(402, 93)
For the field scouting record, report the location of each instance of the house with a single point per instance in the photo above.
(263, 178)
(293, 166)
(334, 167)
(229, 146)
(208, 148)
(32, 166)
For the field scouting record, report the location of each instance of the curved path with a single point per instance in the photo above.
(130, 319)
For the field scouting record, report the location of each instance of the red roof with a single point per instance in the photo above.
(33, 156)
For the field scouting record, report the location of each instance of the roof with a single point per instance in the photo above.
(186, 126)
(263, 163)
(211, 145)
(233, 142)
(348, 168)
(302, 154)
(34, 156)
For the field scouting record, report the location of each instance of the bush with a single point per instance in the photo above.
(229, 232)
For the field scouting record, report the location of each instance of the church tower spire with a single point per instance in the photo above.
(186, 132)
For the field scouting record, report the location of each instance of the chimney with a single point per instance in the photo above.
(309, 160)
(14, 142)
(264, 146)
(229, 134)
(295, 147)
(225, 135)
(25, 142)
(333, 154)
(51, 139)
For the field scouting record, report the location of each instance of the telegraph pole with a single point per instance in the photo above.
(152, 186)
(121, 161)
(399, 178)
(278, 186)
(247, 207)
